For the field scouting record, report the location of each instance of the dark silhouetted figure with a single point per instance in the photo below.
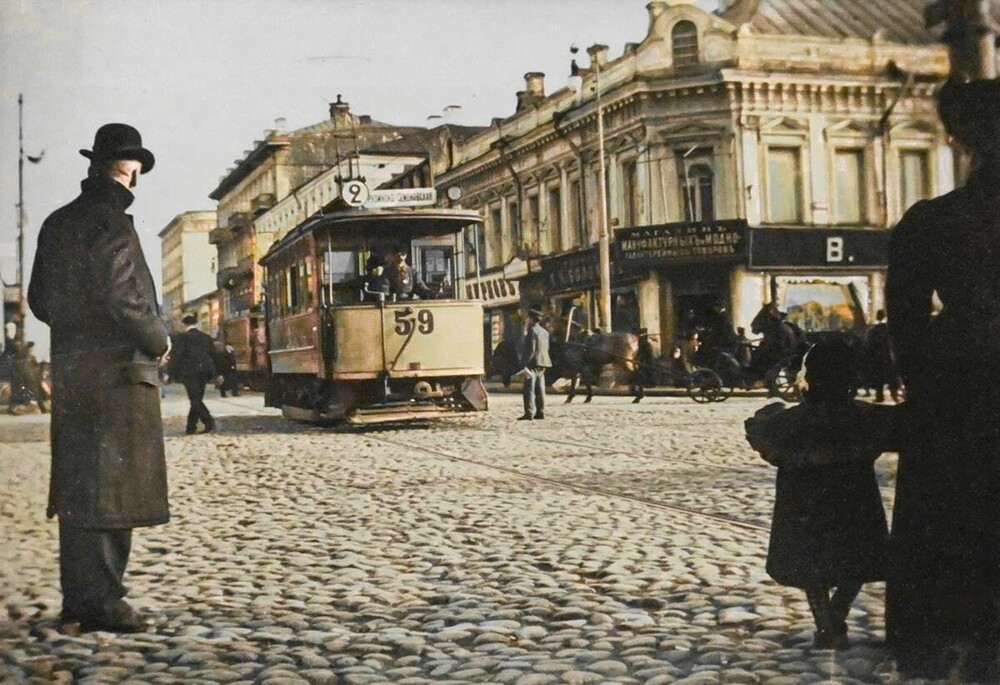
(829, 528)
(943, 586)
(193, 365)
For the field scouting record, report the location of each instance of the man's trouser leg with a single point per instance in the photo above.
(91, 567)
(528, 393)
(199, 412)
(539, 381)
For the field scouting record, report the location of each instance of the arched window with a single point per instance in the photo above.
(685, 43)
(699, 195)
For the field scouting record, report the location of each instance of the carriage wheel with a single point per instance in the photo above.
(704, 385)
(781, 382)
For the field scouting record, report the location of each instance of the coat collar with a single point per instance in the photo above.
(106, 190)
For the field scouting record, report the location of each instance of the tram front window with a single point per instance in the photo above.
(340, 271)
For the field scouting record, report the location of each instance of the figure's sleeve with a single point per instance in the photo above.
(38, 286)
(909, 287)
(115, 275)
(764, 434)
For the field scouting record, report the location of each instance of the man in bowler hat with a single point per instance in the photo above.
(534, 360)
(193, 364)
(91, 285)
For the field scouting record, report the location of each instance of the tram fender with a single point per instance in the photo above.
(474, 391)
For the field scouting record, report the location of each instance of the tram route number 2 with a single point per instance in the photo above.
(406, 319)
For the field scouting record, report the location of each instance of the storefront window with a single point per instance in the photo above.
(784, 185)
(823, 304)
(848, 186)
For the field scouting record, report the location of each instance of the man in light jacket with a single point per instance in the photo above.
(534, 360)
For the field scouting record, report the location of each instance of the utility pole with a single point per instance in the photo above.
(21, 299)
(603, 239)
(971, 28)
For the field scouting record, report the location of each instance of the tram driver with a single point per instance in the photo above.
(403, 284)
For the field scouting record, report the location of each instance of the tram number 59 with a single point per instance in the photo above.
(406, 320)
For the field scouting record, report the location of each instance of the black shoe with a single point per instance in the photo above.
(209, 427)
(120, 618)
(191, 430)
(235, 394)
(224, 394)
(539, 416)
(526, 417)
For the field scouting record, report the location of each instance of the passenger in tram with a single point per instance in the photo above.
(376, 287)
(829, 531)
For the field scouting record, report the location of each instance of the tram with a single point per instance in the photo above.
(340, 352)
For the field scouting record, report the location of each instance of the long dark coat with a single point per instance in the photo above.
(829, 526)
(193, 356)
(944, 581)
(91, 285)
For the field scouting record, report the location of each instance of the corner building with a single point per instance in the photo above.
(758, 153)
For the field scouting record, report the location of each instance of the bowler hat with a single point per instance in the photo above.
(189, 320)
(119, 141)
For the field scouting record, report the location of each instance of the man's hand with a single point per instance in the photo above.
(166, 355)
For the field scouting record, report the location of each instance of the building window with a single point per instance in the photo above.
(784, 185)
(914, 182)
(685, 43)
(848, 186)
(552, 235)
(532, 223)
(630, 194)
(495, 228)
(574, 218)
(514, 224)
(699, 192)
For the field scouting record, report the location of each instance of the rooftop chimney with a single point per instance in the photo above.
(340, 112)
(279, 125)
(534, 82)
(598, 54)
(655, 9)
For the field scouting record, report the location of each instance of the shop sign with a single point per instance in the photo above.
(821, 247)
(492, 291)
(577, 270)
(680, 243)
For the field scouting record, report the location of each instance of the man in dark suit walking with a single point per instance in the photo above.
(90, 283)
(534, 360)
(193, 364)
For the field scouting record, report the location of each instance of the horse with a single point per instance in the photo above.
(781, 341)
(583, 359)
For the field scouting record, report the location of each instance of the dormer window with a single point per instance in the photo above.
(685, 43)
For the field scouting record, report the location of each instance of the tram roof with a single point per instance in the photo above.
(400, 222)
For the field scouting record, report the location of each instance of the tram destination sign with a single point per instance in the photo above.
(680, 243)
(402, 197)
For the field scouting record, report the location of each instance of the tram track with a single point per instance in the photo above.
(583, 489)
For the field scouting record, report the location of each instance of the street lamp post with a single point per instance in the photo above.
(603, 238)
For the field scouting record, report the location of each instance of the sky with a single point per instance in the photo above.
(203, 79)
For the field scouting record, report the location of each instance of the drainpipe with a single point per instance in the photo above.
(500, 145)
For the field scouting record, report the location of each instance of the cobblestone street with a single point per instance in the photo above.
(610, 543)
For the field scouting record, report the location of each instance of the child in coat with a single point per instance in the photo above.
(829, 528)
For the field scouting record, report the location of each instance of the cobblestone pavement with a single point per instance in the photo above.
(610, 543)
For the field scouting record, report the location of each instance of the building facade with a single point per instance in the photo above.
(188, 262)
(754, 155)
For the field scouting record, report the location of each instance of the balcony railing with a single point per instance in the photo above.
(219, 235)
(238, 221)
(262, 203)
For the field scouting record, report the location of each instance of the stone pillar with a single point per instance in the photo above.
(819, 164)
